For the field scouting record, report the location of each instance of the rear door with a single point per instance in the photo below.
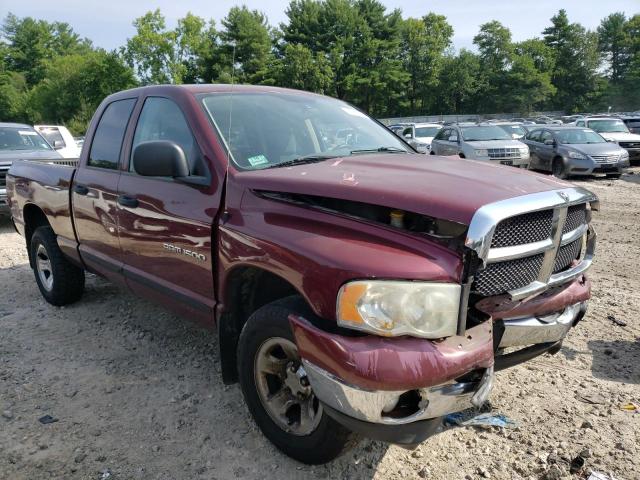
(95, 188)
(166, 224)
(546, 150)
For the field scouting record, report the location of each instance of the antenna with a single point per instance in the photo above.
(233, 71)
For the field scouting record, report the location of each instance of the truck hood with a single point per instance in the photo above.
(621, 136)
(448, 188)
(7, 156)
(496, 144)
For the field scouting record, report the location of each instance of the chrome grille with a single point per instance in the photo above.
(567, 254)
(503, 153)
(527, 228)
(605, 158)
(576, 216)
(503, 276)
(526, 249)
(3, 178)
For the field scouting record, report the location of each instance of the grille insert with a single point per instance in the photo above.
(500, 153)
(576, 216)
(567, 254)
(523, 229)
(504, 276)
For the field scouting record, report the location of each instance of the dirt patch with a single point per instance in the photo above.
(137, 392)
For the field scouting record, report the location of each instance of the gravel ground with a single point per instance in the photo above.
(137, 391)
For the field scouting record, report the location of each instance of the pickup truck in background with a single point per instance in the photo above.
(61, 139)
(19, 142)
(356, 288)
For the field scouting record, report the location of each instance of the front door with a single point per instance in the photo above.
(94, 192)
(166, 224)
(546, 150)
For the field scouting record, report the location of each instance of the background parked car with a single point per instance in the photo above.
(632, 123)
(614, 130)
(481, 142)
(60, 138)
(514, 129)
(566, 151)
(19, 142)
(420, 135)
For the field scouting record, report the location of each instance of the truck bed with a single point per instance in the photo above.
(46, 184)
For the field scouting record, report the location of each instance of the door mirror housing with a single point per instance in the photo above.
(408, 135)
(58, 145)
(160, 158)
(550, 141)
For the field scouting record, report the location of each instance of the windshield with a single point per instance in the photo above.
(422, 132)
(264, 130)
(481, 133)
(21, 138)
(577, 136)
(607, 126)
(52, 136)
(516, 131)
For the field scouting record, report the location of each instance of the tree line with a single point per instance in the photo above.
(355, 50)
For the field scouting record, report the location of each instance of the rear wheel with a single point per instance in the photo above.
(277, 390)
(557, 169)
(60, 282)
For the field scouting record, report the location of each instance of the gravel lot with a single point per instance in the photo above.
(137, 391)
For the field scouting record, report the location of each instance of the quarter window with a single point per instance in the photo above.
(107, 140)
(162, 119)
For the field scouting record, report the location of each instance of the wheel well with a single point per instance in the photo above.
(461, 155)
(34, 217)
(248, 289)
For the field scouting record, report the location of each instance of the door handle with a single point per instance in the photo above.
(127, 201)
(80, 189)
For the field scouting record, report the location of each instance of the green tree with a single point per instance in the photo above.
(150, 52)
(577, 60)
(300, 68)
(459, 84)
(30, 43)
(245, 46)
(424, 42)
(74, 86)
(613, 43)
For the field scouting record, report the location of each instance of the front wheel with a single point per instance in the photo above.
(558, 170)
(277, 390)
(59, 281)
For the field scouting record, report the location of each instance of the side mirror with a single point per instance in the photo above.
(550, 142)
(408, 135)
(160, 158)
(453, 138)
(58, 145)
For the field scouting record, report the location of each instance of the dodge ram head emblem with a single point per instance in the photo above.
(563, 196)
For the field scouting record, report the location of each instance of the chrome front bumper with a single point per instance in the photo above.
(371, 406)
(544, 329)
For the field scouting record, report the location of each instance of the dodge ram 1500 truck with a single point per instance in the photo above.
(357, 288)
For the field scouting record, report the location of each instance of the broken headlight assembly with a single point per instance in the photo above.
(394, 308)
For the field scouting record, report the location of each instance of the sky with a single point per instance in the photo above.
(108, 22)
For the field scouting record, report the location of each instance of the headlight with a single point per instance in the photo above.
(624, 156)
(524, 151)
(482, 153)
(577, 155)
(392, 308)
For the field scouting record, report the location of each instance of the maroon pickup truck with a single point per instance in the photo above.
(357, 287)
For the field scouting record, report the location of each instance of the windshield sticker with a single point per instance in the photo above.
(353, 112)
(27, 132)
(257, 160)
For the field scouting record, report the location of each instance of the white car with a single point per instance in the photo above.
(420, 135)
(614, 130)
(60, 138)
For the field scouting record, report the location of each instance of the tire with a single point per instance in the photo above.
(461, 155)
(614, 176)
(60, 282)
(267, 327)
(557, 169)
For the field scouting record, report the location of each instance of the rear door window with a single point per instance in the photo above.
(107, 139)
